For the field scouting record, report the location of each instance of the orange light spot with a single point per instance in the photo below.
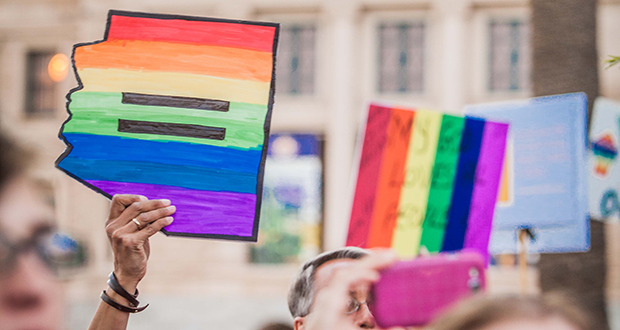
(58, 67)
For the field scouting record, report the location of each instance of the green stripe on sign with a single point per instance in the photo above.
(440, 193)
(98, 113)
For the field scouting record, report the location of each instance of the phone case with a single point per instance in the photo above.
(412, 293)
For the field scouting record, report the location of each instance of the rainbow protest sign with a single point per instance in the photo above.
(176, 107)
(426, 180)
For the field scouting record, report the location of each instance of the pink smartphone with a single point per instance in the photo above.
(412, 293)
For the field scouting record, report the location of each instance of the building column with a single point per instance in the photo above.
(340, 128)
(453, 27)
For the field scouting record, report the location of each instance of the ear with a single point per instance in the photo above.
(299, 323)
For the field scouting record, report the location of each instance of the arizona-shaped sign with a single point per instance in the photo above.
(176, 107)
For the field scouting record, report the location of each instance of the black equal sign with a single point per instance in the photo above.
(187, 130)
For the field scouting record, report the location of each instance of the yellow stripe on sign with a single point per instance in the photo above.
(416, 186)
(174, 84)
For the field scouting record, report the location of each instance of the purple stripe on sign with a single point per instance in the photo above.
(198, 211)
(484, 196)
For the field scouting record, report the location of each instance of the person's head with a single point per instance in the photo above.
(549, 312)
(314, 275)
(30, 296)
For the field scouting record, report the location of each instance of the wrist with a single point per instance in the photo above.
(113, 298)
(128, 283)
(122, 292)
(116, 297)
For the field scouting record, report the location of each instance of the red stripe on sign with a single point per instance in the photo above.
(368, 175)
(236, 35)
(391, 179)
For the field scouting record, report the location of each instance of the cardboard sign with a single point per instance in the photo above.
(544, 186)
(604, 178)
(426, 181)
(176, 107)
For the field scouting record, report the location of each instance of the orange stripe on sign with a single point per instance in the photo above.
(215, 61)
(391, 179)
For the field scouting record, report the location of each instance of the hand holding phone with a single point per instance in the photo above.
(412, 293)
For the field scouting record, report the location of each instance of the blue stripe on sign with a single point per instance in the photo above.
(192, 177)
(463, 185)
(103, 147)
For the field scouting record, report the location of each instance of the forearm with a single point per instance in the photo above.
(132, 220)
(108, 317)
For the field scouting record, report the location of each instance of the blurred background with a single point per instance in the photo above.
(334, 57)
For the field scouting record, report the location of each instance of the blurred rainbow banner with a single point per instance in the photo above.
(426, 180)
(176, 107)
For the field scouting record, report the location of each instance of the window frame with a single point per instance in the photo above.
(480, 53)
(410, 24)
(27, 111)
(302, 19)
(301, 25)
(370, 43)
(303, 112)
(510, 21)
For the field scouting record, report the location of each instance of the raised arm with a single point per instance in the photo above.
(132, 220)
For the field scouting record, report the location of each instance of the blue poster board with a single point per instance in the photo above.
(544, 184)
(603, 170)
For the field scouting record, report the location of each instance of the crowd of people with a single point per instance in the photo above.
(331, 291)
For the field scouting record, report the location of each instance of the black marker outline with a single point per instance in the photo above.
(161, 128)
(261, 166)
(157, 100)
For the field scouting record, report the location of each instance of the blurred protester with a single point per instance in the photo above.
(276, 326)
(329, 310)
(31, 251)
(30, 296)
(549, 312)
(331, 290)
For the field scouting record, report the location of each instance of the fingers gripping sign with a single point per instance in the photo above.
(133, 220)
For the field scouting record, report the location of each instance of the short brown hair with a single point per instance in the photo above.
(483, 311)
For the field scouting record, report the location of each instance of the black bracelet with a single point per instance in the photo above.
(113, 283)
(126, 309)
